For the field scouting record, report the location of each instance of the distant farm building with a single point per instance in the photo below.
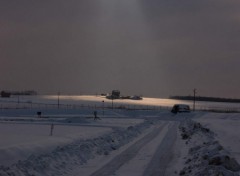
(115, 95)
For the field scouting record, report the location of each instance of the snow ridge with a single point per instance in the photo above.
(62, 159)
(206, 156)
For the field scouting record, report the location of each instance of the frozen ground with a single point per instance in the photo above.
(120, 143)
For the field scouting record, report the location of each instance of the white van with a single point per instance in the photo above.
(180, 108)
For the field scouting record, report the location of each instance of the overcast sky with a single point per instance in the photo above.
(154, 48)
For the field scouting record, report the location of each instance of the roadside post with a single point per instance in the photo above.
(194, 98)
(103, 107)
(51, 129)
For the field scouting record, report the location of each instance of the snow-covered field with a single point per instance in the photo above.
(121, 142)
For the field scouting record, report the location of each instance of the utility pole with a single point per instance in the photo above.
(103, 107)
(58, 99)
(112, 101)
(194, 98)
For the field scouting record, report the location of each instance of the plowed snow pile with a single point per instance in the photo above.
(205, 156)
(63, 158)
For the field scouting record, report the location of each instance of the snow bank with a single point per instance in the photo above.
(226, 128)
(64, 157)
(206, 156)
(19, 141)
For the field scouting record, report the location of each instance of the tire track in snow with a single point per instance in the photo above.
(163, 155)
(128, 154)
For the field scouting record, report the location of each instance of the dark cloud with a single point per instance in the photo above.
(149, 47)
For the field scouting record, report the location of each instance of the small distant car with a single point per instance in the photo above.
(180, 108)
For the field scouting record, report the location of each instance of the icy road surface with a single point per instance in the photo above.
(148, 155)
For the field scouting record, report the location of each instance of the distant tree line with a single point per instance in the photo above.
(9, 93)
(211, 99)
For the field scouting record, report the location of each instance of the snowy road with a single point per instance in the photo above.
(164, 154)
(149, 155)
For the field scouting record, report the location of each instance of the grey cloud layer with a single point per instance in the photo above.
(149, 47)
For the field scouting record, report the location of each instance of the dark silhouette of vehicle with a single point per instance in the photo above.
(180, 108)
